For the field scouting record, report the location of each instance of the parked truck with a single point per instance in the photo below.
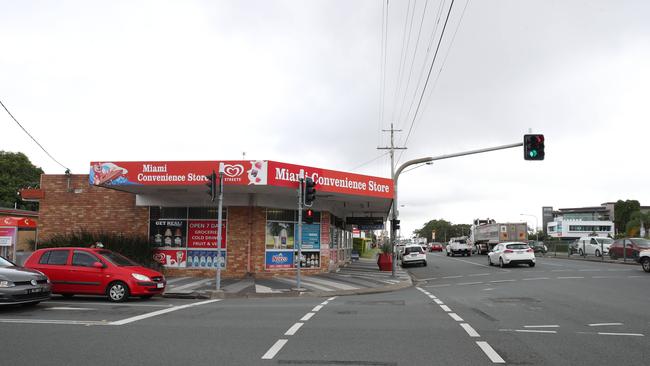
(485, 234)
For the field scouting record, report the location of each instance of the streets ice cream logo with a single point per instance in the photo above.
(233, 172)
(107, 174)
(257, 173)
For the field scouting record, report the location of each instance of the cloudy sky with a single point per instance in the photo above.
(305, 82)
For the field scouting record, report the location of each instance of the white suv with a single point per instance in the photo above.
(644, 259)
(594, 245)
(413, 254)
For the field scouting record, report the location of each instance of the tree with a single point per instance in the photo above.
(444, 230)
(633, 227)
(16, 172)
(623, 211)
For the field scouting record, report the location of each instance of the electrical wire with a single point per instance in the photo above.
(370, 161)
(32, 137)
(406, 41)
(384, 49)
(426, 83)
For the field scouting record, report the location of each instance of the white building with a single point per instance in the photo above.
(565, 228)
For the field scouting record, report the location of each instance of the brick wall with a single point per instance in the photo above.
(63, 210)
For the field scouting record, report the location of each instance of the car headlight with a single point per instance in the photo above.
(140, 277)
(5, 284)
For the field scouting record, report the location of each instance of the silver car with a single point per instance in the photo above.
(20, 285)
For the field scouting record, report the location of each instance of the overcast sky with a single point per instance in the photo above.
(301, 82)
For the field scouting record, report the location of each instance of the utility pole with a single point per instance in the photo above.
(393, 215)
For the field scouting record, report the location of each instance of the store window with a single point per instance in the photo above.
(281, 242)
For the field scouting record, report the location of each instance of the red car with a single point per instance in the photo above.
(95, 272)
(435, 247)
(632, 247)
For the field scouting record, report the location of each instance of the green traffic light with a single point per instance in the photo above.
(532, 153)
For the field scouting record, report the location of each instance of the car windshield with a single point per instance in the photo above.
(5, 263)
(517, 246)
(605, 240)
(413, 250)
(117, 259)
(643, 243)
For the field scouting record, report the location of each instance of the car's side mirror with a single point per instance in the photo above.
(98, 265)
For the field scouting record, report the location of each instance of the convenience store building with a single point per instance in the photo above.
(167, 202)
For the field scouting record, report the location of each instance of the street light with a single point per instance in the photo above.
(536, 227)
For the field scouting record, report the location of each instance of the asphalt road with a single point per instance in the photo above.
(461, 312)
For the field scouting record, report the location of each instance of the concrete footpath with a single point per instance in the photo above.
(359, 277)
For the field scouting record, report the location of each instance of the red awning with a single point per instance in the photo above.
(21, 222)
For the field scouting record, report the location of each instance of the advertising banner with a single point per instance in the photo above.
(310, 260)
(286, 175)
(170, 258)
(166, 173)
(168, 233)
(7, 236)
(310, 236)
(279, 259)
(279, 235)
(202, 234)
(205, 259)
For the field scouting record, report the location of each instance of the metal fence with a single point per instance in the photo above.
(570, 249)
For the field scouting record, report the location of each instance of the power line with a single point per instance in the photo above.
(435, 55)
(30, 136)
(370, 161)
(406, 41)
(384, 49)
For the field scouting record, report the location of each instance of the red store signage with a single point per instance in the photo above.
(202, 234)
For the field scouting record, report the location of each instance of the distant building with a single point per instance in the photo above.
(568, 223)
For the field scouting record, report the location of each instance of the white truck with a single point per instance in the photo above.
(460, 246)
(485, 234)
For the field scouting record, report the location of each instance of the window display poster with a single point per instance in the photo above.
(310, 260)
(168, 233)
(202, 234)
(205, 259)
(279, 259)
(170, 258)
(310, 236)
(279, 235)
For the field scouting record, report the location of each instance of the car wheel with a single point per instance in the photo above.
(447, 254)
(613, 256)
(67, 296)
(424, 264)
(597, 253)
(501, 264)
(580, 252)
(117, 291)
(489, 261)
(531, 264)
(645, 264)
(30, 304)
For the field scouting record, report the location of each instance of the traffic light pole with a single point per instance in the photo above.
(298, 241)
(395, 214)
(219, 223)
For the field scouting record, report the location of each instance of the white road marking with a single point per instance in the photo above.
(307, 317)
(274, 349)
(490, 352)
(477, 264)
(443, 285)
(535, 278)
(437, 301)
(635, 276)
(426, 279)
(324, 303)
(68, 308)
(259, 289)
(468, 328)
(432, 297)
(542, 326)
(195, 284)
(317, 308)
(603, 324)
(51, 321)
(160, 312)
(488, 289)
(456, 317)
(535, 331)
(331, 298)
(560, 270)
(452, 276)
(568, 278)
(603, 277)
(324, 282)
(445, 308)
(590, 270)
(499, 281)
(622, 334)
(469, 283)
(294, 328)
(479, 274)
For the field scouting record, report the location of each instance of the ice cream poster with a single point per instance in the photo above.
(170, 258)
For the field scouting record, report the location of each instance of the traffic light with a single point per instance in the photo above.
(395, 224)
(212, 185)
(534, 147)
(309, 216)
(310, 191)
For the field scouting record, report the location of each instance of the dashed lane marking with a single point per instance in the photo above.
(470, 331)
(490, 352)
(500, 281)
(68, 308)
(307, 317)
(52, 321)
(275, 348)
(294, 328)
(438, 301)
(542, 326)
(456, 317)
(445, 308)
(568, 278)
(603, 324)
(469, 283)
(622, 334)
(316, 308)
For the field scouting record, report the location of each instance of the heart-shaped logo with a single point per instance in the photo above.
(159, 257)
(233, 170)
